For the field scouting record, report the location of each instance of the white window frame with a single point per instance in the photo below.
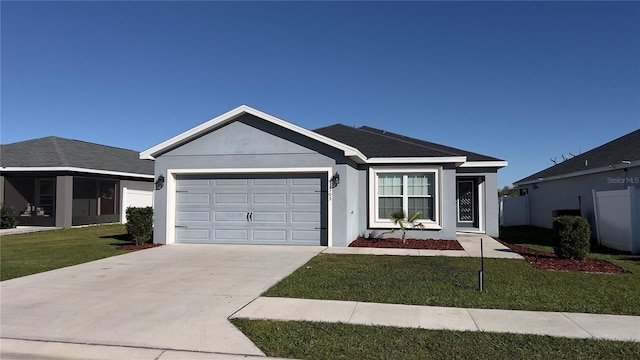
(376, 222)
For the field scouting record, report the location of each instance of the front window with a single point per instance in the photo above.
(411, 191)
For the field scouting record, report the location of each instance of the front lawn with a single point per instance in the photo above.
(26, 254)
(314, 340)
(450, 281)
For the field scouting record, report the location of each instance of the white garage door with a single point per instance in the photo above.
(257, 209)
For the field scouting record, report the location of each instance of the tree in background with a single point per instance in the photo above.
(508, 191)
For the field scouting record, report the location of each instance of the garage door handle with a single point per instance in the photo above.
(249, 216)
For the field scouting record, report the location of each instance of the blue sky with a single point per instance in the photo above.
(521, 81)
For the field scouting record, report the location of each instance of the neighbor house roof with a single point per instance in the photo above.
(375, 143)
(59, 154)
(614, 153)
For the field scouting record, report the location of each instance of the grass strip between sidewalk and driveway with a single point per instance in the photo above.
(315, 340)
(26, 254)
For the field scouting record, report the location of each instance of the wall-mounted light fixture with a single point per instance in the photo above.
(160, 182)
(335, 180)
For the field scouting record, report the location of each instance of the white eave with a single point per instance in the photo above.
(497, 163)
(201, 129)
(73, 169)
(418, 160)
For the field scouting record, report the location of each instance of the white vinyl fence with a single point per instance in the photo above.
(135, 198)
(514, 210)
(618, 218)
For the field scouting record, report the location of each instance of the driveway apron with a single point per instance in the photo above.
(172, 297)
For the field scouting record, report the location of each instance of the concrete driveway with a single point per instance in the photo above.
(175, 297)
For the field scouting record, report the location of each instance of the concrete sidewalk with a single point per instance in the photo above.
(25, 230)
(16, 349)
(469, 241)
(570, 325)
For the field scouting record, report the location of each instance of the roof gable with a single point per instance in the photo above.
(232, 115)
(54, 152)
(625, 148)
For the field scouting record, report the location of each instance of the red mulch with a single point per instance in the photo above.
(549, 261)
(137, 247)
(424, 244)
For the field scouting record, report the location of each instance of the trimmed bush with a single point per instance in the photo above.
(571, 236)
(140, 224)
(8, 218)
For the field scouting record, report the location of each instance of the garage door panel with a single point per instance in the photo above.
(192, 198)
(305, 199)
(193, 216)
(194, 183)
(234, 199)
(269, 199)
(270, 217)
(305, 218)
(230, 216)
(271, 236)
(305, 236)
(230, 182)
(285, 209)
(312, 182)
(193, 235)
(271, 183)
(230, 235)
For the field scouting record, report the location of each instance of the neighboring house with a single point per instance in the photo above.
(60, 182)
(570, 185)
(248, 177)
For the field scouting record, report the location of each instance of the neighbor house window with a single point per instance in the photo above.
(411, 191)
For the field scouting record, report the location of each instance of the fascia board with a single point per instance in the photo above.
(580, 173)
(74, 169)
(492, 164)
(417, 160)
(150, 153)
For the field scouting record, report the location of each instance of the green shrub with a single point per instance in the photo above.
(140, 224)
(571, 236)
(8, 218)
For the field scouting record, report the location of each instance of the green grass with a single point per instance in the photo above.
(449, 281)
(26, 254)
(445, 281)
(312, 340)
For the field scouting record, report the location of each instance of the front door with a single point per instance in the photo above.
(467, 203)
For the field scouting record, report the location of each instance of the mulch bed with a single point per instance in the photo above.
(137, 247)
(549, 261)
(423, 244)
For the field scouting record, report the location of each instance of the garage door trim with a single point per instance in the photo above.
(170, 188)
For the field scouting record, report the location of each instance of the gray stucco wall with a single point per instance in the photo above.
(252, 143)
(575, 193)
(137, 185)
(1, 188)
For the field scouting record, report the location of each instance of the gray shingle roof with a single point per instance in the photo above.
(379, 143)
(54, 151)
(625, 148)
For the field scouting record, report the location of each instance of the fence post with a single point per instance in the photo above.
(595, 215)
(635, 221)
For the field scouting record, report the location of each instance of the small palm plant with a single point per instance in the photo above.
(405, 224)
